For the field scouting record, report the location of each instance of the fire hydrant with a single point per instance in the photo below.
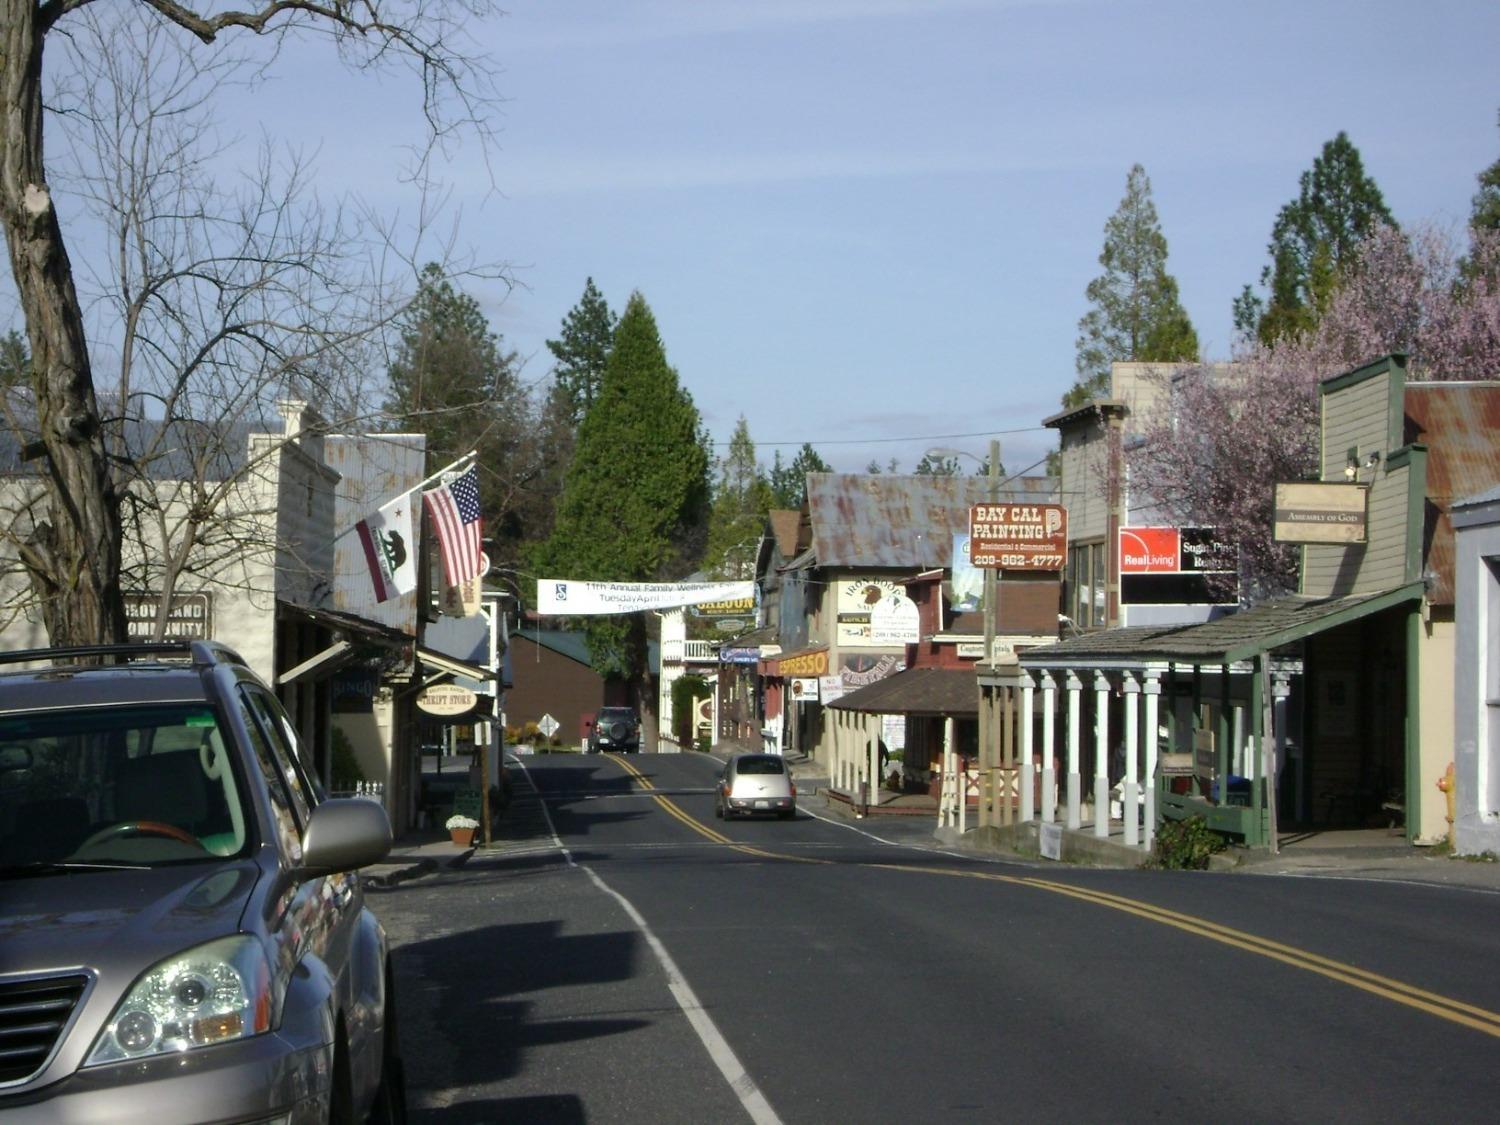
(1449, 784)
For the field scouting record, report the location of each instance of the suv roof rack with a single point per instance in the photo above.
(202, 652)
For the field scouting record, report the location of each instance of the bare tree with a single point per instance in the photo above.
(202, 294)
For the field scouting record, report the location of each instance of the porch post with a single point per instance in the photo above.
(1049, 748)
(1281, 690)
(1075, 778)
(873, 796)
(986, 725)
(1153, 696)
(1101, 754)
(1132, 790)
(1028, 767)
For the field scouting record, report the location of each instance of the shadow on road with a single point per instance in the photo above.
(466, 1023)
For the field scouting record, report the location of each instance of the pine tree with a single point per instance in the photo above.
(1136, 313)
(741, 500)
(789, 482)
(582, 350)
(1313, 245)
(636, 492)
(452, 380)
(15, 360)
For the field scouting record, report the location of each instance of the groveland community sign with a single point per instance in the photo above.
(566, 597)
(1321, 513)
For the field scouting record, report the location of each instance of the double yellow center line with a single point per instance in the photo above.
(1444, 1007)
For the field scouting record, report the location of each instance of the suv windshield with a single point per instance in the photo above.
(140, 785)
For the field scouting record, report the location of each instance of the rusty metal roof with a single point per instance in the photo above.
(886, 520)
(786, 523)
(1460, 425)
(917, 691)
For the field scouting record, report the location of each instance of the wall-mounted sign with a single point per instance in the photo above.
(830, 688)
(894, 621)
(855, 599)
(1177, 566)
(190, 616)
(726, 607)
(803, 664)
(1321, 513)
(447, 701)
(1018, 536)
(731, 655)
(805, 688)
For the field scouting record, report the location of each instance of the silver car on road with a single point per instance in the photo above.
(756, 783)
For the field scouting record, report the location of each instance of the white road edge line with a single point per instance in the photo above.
(718, 1047)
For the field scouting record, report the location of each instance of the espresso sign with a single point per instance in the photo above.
(1321, 513)
(1018, 536)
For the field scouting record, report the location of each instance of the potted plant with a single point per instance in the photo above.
(461, 829)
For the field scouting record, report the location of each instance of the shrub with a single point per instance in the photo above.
(1185, 845)
(345, 766)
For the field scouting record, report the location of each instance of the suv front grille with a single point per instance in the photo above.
(33, 1014)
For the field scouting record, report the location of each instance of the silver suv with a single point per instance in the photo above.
(184, 936)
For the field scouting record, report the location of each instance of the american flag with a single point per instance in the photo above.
(454, 511)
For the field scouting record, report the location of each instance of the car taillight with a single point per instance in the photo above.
(793, 786)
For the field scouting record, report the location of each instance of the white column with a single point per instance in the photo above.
(875, 778)
(1238, 763)
(1101, 754)
(1023, 731)
(1153, 696)
(1281, 690)
(1075, 776)
(1049, 748)
(1130, 784)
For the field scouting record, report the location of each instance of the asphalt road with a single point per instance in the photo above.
(664, 966)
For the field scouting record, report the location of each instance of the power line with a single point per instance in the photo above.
(891, 441)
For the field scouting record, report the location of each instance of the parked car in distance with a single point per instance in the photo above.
(756, 783)
(616, 728)
(184, 936)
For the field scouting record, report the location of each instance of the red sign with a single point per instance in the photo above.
(1018, 536)
(1150, 550)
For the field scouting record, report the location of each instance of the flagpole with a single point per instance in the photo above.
(464, 460)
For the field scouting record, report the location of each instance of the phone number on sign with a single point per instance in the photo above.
(1026, 562)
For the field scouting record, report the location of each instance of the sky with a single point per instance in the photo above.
(869, 224)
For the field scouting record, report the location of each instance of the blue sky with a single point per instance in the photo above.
(868, 224)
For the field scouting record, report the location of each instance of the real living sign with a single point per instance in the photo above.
(1177, 566)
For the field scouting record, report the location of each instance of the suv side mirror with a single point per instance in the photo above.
(345, 833)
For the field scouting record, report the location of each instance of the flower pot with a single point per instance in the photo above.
(462, 837)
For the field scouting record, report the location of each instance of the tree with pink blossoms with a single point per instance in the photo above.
(1231, 432)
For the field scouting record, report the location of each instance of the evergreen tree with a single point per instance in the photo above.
(636, 492)
(789, 482)
(1484, 222)
(936, 466)
(1135, 311)
(452, 380)
(15, 360)
(582, 350)
(1313, 245)
(741, 501)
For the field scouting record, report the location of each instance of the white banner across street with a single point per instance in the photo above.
(565, 597)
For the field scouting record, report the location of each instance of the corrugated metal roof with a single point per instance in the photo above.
(886, 520)
(1460, 425)
(917, 691)
(785, 524)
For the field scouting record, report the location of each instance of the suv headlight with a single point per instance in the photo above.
(215, 993)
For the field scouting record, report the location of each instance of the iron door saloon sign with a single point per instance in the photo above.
(1018, 536)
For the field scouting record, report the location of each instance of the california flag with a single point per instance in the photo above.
(390, 548)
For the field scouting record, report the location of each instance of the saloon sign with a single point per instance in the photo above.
(1018, 536)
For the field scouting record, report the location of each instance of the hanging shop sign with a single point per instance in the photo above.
(1321, 513)
(802, 664)
(447, 701)
(1018, 536)
(894, 621)
(1177, 566)
(805, 688)
(854, 602)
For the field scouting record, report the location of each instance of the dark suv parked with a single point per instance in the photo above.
(184, 937)
(616, 728)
